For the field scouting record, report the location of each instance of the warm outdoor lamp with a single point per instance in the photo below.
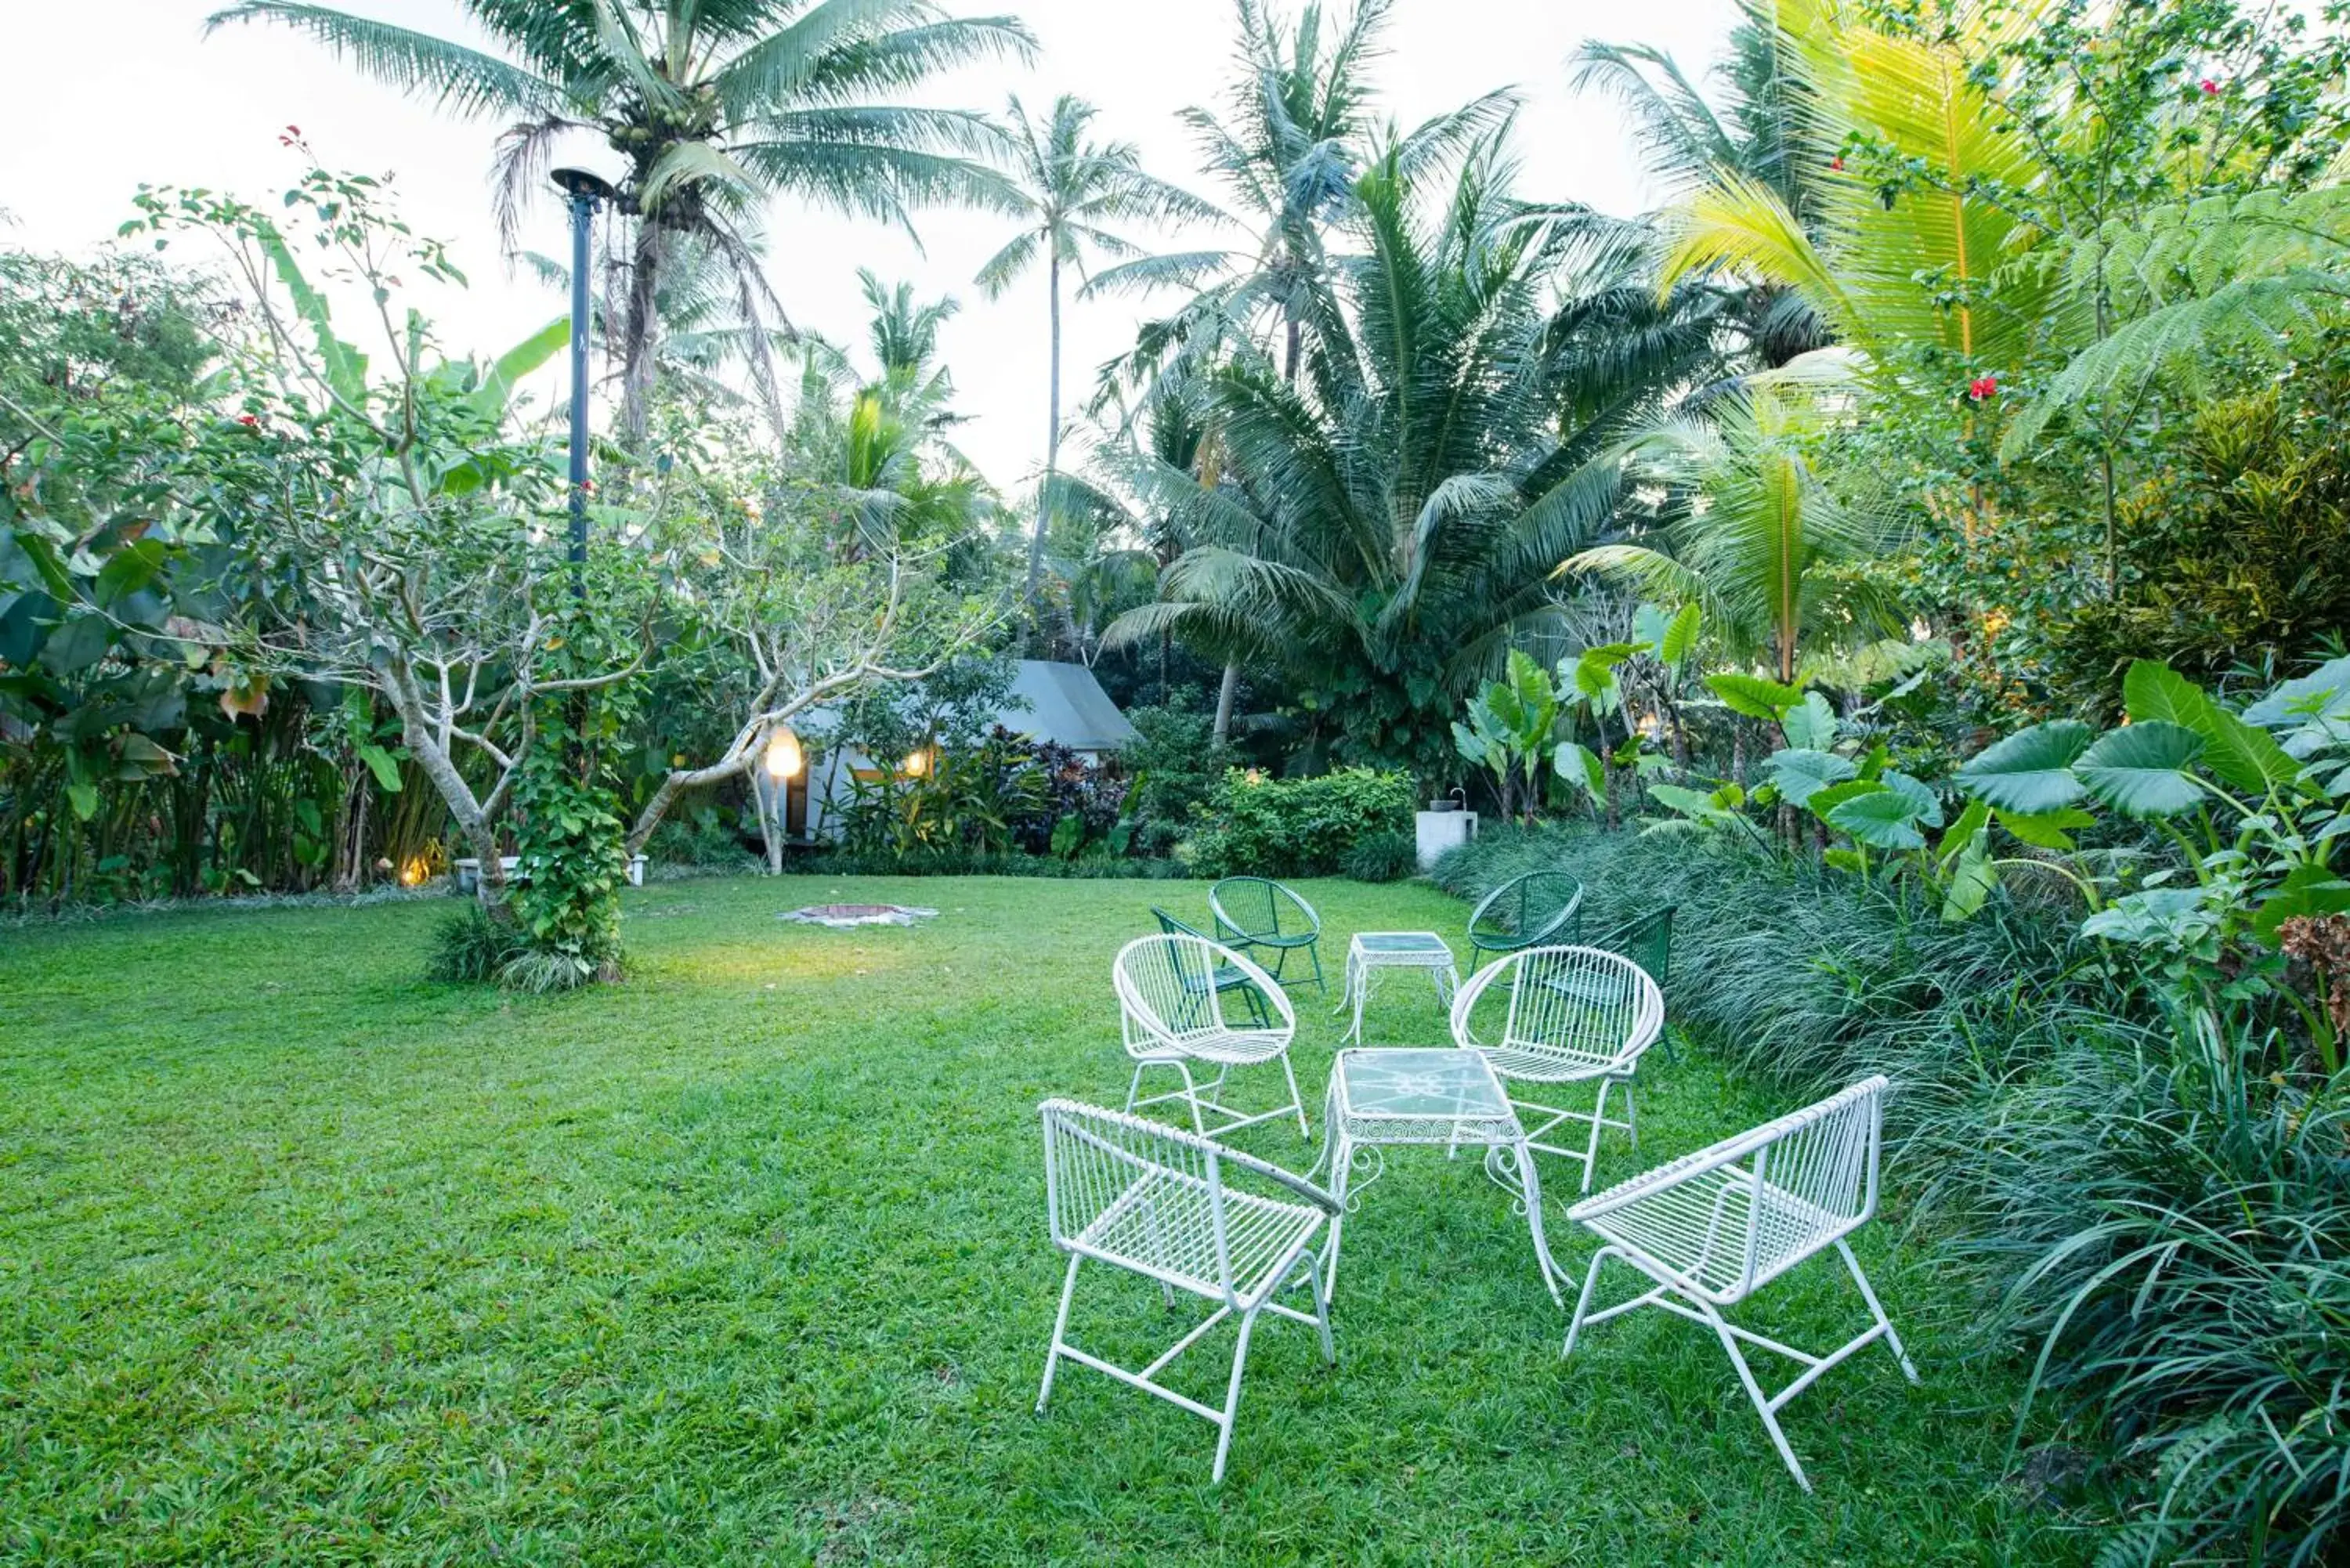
(917, 763)
(785, 758)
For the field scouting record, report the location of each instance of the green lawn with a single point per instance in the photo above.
(304, 1260)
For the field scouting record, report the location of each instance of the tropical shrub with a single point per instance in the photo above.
(1384, 856)
(1173, 768)
(1260, 826)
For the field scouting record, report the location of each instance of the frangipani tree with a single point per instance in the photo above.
(389, 532)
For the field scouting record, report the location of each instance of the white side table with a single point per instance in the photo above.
(1368, 951)
(1439, 1094)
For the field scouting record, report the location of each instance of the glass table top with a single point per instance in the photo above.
(1427, 942)
(1437, 1080)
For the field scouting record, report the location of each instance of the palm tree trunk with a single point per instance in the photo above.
(1052, 434)
(642, 335)
(1224, 733)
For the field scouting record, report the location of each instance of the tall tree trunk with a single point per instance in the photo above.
(1052, 433)
(642, 336)
(1223, 732)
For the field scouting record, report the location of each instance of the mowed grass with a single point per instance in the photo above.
(304, 1260)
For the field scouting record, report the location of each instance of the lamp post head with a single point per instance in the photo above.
(578, 182)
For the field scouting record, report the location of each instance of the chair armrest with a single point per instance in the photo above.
(1311, 1192)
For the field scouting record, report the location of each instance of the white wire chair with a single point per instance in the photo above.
(1172, 992)
(1573, 1014)
(1713, 1227)
(1183, 1209)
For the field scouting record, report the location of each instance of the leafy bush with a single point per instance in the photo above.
(703, 838)
(1174, 768)
(472, 946)
(1259, 826)
(1383, 856)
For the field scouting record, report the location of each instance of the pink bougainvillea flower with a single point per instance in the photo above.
(252, 421)
(2210, 87)
(1982, 387)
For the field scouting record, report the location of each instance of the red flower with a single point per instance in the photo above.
(1982, 387)
(2210, 87)
(251, 421)
(586, 487)
(1836, 163)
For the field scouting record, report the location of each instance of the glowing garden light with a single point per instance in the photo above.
(785, 758)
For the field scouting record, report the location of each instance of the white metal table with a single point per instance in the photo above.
(1432, 1095)
(1370, 952)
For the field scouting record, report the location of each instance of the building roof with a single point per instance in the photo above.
(1064, 703)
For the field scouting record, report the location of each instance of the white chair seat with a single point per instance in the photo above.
(1171, 992)
(1542, 1065)
(1697, 1230)
(1233, 1047)
(1164, 1226)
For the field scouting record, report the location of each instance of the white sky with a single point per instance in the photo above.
(108, 93)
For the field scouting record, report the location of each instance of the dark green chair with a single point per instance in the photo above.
(1224, 977)
(1648, 940)
(1537, 910)
(1256, 912)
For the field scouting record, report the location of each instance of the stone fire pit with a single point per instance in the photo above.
(841, 917)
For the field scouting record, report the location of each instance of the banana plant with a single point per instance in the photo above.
(1509, 732)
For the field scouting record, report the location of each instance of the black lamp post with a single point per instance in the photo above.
(585, 191)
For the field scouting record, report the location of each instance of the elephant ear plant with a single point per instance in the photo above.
(2254, 803)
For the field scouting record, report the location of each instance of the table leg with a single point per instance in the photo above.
(1342, 1160)
(1532, 1186)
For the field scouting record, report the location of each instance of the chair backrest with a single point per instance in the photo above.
(1807, 1180)
(1108, 1165)
(1168, 997)
(1594, 1008)
(1173, 927)
(1259, 906)
(1528, 909)
(1647, 940)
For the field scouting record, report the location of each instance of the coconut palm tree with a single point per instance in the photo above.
(1067, 190)
(1749, 532)
(715, 106)
(1297, 132)
(1380, 528)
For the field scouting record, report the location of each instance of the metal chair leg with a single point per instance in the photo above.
(1060, 1328)
(1233, 1398)
(1892, 1338)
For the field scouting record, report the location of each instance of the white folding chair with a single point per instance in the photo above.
(1183, 1209)
(1573, 1015)
(1714, 1226)
(1171, 990)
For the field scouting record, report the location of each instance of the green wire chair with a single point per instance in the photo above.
(1648, 940)
(1226, 977)
(1539, 909)
(1256, 912)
